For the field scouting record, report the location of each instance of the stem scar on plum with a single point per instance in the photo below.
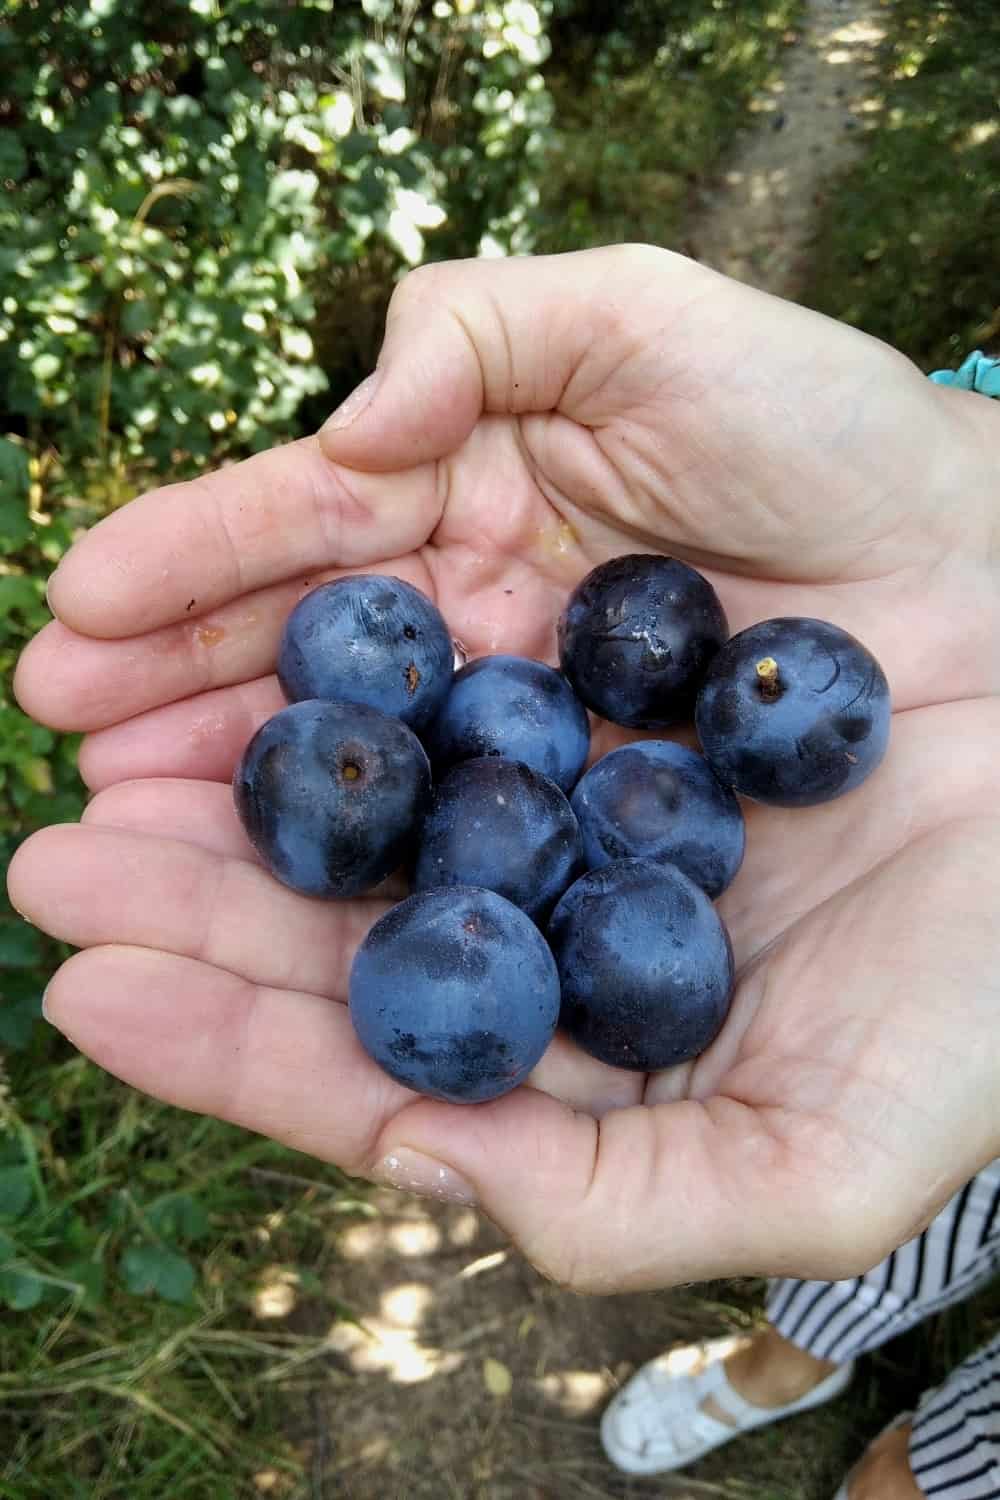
(769, 679)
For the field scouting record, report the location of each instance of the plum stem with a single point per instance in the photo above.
(769, 679)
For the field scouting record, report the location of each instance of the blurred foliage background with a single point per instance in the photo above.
(205, 207)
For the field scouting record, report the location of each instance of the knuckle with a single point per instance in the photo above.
(563, 1259)
(110, 803)
(421, 284)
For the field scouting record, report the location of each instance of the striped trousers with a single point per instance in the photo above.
(955, 1441)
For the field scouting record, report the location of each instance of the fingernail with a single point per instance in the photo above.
(45, 1007)
(350, 409)
(48, 585)
(413, 1173)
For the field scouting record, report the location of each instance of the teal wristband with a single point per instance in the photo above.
(977, 373)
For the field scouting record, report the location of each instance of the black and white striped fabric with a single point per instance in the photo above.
(955, 1443)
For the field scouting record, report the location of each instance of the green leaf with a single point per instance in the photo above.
(356, 146)
(20, 1288)
(138, 316)
(17, 1021)
(13, 157)
(15, 527)
(178, 1217)
(89, 1274)
(150, 1270)
(17, 592)
(20, 945)
(16, 1191)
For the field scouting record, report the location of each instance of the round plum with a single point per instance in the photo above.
(499, 824)
(658, 800)
(368, 639)
(645, 965)
(636, 638)
(331, 795)
(794, 712)
(517, 708)
(454, 993)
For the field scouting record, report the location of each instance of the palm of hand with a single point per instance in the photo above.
(837, 917)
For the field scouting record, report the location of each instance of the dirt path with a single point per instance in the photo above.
(756, 219)
(469, 1377)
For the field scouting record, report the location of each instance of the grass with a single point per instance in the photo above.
(141, 1246)
(906, 242)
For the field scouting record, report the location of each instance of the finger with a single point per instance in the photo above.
(940, 766)
(280, 1062)
(197, 812)
(89, 886)
(529, 334)
(202, 738)
(583, 1082)
(814, 1141)
(642, 395)
(73, 682)
(191, 547)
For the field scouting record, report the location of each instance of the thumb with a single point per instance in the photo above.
(469, 337)
(645, 1198)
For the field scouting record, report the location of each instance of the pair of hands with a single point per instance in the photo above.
(529, 419)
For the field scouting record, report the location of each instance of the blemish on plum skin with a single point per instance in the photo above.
(412, 678)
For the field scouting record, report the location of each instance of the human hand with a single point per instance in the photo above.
(531, 419)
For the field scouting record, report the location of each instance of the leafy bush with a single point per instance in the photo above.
(176, 180)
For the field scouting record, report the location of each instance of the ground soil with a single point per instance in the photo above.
(469, 1377)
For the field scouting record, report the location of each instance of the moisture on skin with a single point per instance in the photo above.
(454, 993)
(499, 824)
(331, 795)
(368, 639)
(658, 800)
(516, 708)
(794, 712)
(645, 965)
(636, 639)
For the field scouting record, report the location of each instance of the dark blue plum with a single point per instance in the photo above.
(368, 639)
(660, 801)
(499, 824)
(454, 993)
(645, 965)
(331, 795)
(636, 639)
(794, 712)
(516, 708)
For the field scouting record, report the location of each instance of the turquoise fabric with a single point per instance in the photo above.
(977, 373)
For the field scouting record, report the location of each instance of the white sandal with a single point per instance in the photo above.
(654, 1424)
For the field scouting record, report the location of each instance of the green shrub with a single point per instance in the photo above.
(906, 244)
(177, 179)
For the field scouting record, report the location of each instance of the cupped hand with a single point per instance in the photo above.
(529, 419)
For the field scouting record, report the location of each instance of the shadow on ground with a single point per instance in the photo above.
(467, 1376)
